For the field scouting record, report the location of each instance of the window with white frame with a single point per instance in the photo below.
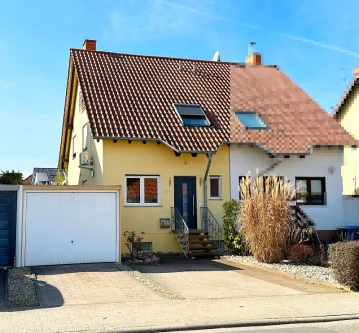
(142, 190)
(74, 147)
(215, 187)
(84, 137)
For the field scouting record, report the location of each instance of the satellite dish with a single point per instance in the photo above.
(216, 56)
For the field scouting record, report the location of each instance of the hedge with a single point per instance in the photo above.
(344, 258)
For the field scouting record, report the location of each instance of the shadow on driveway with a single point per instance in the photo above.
(180, 264)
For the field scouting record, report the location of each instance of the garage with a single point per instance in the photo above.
(7, 227)
(69, 227)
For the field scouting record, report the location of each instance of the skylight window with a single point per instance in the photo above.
(251, 120)
(192, 115)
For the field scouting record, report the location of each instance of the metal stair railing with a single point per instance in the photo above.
(211, 225)
(179, 226)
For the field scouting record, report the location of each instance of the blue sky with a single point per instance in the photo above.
(314, 42)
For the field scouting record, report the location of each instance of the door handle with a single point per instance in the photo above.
(193, 204)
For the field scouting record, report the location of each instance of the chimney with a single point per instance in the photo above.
(89, 45)
(254, 58)
(356, 71)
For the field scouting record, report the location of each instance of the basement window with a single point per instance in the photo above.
(192, 115)
(145, 246)
(251, 120)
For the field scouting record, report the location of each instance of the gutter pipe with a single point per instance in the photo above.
(209, 155)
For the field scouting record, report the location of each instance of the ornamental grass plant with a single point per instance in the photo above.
(265, 216)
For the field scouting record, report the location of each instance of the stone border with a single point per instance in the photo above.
(164, 292)
(21, 288)
(291, 275)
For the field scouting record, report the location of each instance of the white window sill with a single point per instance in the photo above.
(142, 205)
(215, 198)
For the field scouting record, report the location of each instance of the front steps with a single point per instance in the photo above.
(201, 245)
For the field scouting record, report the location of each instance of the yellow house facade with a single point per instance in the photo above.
(347, 114)
(116, 161)
(157, 178)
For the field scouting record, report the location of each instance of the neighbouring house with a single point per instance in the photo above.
(27, 180)
(346, 113)
(46, 176)
(177, 135)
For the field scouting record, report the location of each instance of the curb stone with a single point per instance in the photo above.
(269, 322)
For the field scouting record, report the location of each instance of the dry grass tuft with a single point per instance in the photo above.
(265, 216)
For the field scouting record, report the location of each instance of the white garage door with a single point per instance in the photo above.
(71, 227)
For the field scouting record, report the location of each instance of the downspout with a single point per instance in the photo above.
(209, 155)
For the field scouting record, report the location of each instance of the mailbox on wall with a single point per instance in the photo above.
(164, 222)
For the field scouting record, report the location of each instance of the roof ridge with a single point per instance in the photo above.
(161, 57)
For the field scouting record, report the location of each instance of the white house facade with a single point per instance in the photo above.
(318, 173)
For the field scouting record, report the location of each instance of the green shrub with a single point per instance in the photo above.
(300, 253)
(233, 235)
(344, 260)
(133, 243)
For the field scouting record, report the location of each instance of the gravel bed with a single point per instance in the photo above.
(314, 272)
(149, 283)
(21, 290)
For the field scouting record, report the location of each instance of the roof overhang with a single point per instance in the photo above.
(69, 108)
(352, 84)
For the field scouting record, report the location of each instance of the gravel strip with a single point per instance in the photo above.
(21, 290)
(149, 283)
(314, 272)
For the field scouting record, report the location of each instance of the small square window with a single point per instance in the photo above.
(142, 190)
(251, 120)
(192, 115)
(215, 187)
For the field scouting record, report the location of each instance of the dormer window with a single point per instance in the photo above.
(192, 115)
(251, 120)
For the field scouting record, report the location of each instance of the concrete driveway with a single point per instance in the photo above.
(188, 279)
(217, 279)
(88, 284)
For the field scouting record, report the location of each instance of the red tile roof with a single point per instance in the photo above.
(131, 97)
(294, 121)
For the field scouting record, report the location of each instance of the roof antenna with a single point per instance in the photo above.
(251, 49)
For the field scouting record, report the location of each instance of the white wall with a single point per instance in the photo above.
(41, 177)
(338, 211)
(77, 175)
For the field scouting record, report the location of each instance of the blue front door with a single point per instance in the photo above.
(7, 228)
(185, 199)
